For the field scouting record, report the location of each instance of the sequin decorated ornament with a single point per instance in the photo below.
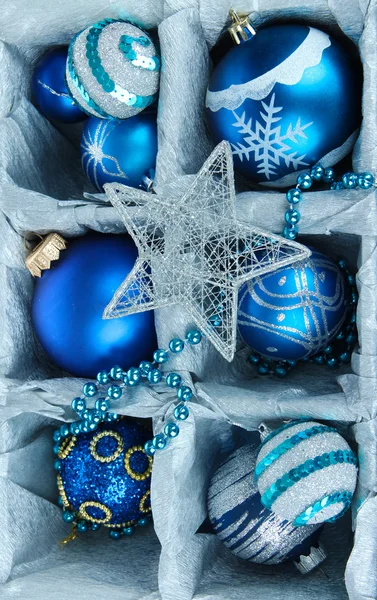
(286, 97)
(248, 529)
(113, 69)
(306, 473)
(104, 475)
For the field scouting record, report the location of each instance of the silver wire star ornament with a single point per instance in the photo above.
(194, 252)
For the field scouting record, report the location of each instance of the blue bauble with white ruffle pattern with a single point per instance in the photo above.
(286, 99)
(120, 151)
(294, 312)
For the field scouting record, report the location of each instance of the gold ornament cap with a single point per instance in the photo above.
(241, 29)
(48, 250)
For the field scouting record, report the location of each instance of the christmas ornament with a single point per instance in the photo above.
(296, 311)
(194, 252)
(50, 91)
(287, 98)
(120, 151)
(247, 528)
(68, 304)
(112, 69)
(306, 473)
(104, 476)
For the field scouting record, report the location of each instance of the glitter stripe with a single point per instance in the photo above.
(304, 470)
(340, 497)
(283, 428)
(288, 444)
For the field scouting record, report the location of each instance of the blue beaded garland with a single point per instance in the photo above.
(90, 389)
(160, 356)
(176, 345)
(194, 337)
(171, 430)
(173, 380)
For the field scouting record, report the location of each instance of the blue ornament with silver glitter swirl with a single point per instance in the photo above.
(286, 99)
(104, 476)
(50, 91)
(306, 473)
(113, 69)
(120, 151)
(246, 527)
(296, 311)
(68, 304)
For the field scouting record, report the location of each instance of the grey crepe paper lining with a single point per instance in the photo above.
(42, 189)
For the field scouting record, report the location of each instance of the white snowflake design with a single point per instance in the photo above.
(267, 142)
(93, 152)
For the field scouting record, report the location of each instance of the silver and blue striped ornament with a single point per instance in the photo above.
(306, 473)
(246, 527)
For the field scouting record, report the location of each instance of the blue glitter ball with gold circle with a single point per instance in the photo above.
(105, 475)
(295, 311)
(286, 99)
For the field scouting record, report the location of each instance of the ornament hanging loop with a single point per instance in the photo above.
(241, 28)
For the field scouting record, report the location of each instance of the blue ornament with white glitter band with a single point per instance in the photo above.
(248, 529)
(120, 151)
(296, 311)
(306, 473)
(113, 69)
(286, 99)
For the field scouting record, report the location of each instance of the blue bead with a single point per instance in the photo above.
(193, 337)
(95, 416)
(129, 530)
(294, 196)
(319, 359)
(184, 393)
(345, 357)
(84, 427)
(290, 232)
(131, 144)
(114, 392)
(305, 181)
(160, 356)
(64, 430)
(154, 376)
(56, 449)
(149, 448)
(280, 371)
(133, 376)
(116, 373)
(159, 441)
(292, 216)
(95, 526)
(102, 405)
(176, 345)
(89, 389)
(111, 417)
(337, 185)
(114, 534)
(103, 377)
(317, 172)
(143, 522)
(145, 366)
(171, 430)
(350, 180)
(78, 404)
(365, 181)
(82, 526)
(181, 412)
(92, 425)
(173, 380)
(328, 349)
(332, 362)
(57, 436)
(343, 264)
(215, 320)
(74, 428)
(60, 501)
(254, 358)
(68, 516)
(263, 369)
(329, 175)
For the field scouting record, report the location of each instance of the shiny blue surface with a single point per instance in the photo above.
(50, 91)
(86, 479)
(69, 300)
(328, 97)
(295, 311)
(119, 151)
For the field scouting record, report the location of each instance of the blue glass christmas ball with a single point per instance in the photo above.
(306, 473)
(105, 475)
(288, 98)
(50, 91)
(120, 151)
(69, 300)
(243, 524)
(113, 69)
(295, 311)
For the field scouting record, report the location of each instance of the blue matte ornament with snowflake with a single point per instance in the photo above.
(114, 151)
(286, 99)
(296, 311)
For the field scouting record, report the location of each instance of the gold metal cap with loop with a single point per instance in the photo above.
(44, 253)
(241, 29)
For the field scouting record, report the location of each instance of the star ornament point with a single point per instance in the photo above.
(193, 251)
